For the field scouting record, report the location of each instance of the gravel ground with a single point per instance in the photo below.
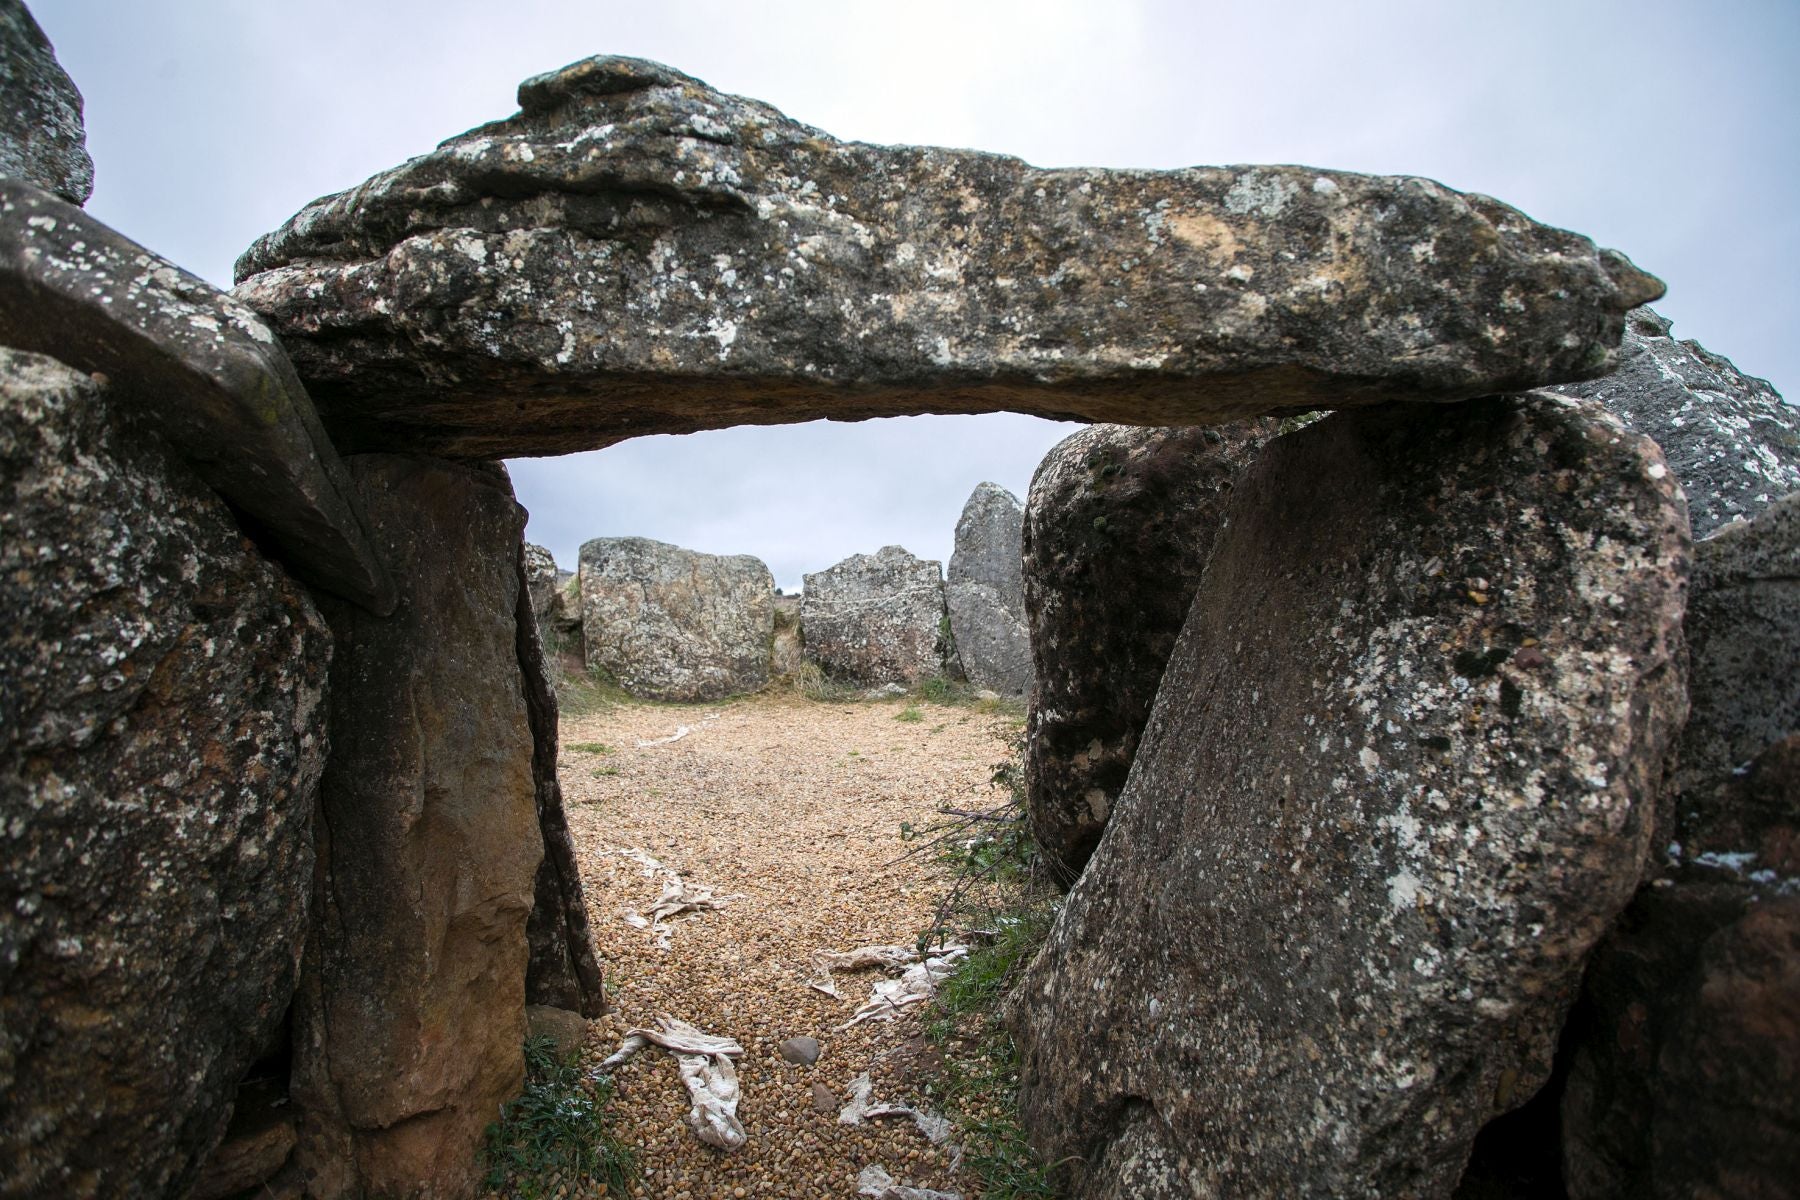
(792, 808)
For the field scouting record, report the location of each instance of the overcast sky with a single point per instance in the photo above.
(1670, 131)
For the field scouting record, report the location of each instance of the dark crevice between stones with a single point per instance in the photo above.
(564, 970)
(1518, 1155)
(260, 1138)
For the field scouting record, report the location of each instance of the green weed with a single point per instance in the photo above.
(557, 1128)
(1002, 902)
(590, 747)
(910, 714)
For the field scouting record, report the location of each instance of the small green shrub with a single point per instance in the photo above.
(556, 1128)
(590, 747)
(910, 714)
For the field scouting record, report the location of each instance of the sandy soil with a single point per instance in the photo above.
(793, 809)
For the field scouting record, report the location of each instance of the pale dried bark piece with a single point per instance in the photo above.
(877, 1183)
(862, 1107)
(706, 1071)
(916, 986)
(888, 958)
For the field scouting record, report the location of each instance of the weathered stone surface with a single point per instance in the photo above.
(541, 580)
(42, 139)
(1686, 1073)
(802, 1051)
(1743, 629)
(1118, 526)
(1395, 786)
(205, 371)
(1728, 437)
(162, 730)
(564, 967)
(875, 619)
(637, 253)
(256, 1147)
(568, 1030)
(410, 1015)
(985, 594)
(674, 624)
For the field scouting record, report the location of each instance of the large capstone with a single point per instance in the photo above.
(636, 253)
(1397, 782)
(1118, 526)
(672, 624)
(410, 1015)
(986, 595)
(876, 620)
(162, 731)
(42, 139)
(1728, 437)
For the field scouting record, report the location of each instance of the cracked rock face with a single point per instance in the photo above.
(42, 139)
(1743, 628)
(1396, 784)
(410, 1012)
(985, 593)
(674, 624)
(205, 371)
(1118, 526)
(634, 253)
(1728, 437)
(876, 619)
(162, 733)
(1682, 1083)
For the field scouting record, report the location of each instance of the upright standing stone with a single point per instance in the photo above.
(674, 624)
(876, 619)
(564, 970)
(42, 139)
(411, 1012)
(162, 730)
(1117, 529)
(1685, 1076)
(985, 594)
(635, 252)
(1728, 437)
(1396, 784)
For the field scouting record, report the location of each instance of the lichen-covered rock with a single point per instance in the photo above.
(162, 730)
(204, 371)
(985, 594)
(876, 620)
(636, 253)
(674, 624)
(42, 139)
(410, 1014)
(1743, 629)
(1117, 528)
(1728, 437)
(1685, 1075)
(541, 580)
(1396, 784)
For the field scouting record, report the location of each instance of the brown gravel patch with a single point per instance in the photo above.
(793, 808)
